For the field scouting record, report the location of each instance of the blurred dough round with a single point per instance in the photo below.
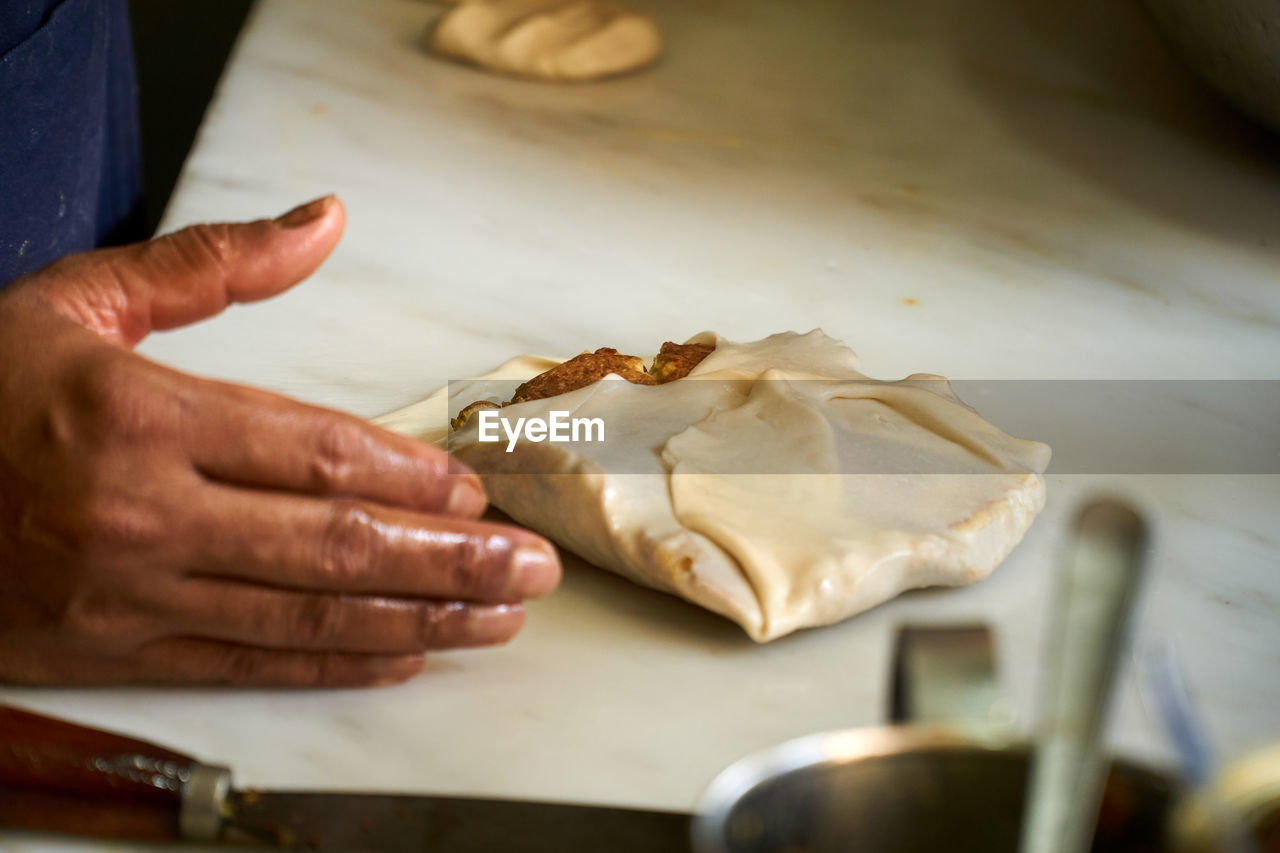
(548, 39)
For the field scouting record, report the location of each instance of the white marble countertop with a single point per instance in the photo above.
(986, 189)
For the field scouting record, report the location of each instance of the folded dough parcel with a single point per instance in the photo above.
(770, 481)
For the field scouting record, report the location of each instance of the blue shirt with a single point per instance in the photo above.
(70, 172)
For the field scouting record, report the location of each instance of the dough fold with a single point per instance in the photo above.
(775, 484)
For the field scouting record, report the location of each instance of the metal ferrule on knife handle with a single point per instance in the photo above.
(60, 777)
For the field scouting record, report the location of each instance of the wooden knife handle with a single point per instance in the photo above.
(56, 776)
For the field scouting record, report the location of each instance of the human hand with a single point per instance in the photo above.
(157, 527)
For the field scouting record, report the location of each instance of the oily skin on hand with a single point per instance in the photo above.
(156, 527)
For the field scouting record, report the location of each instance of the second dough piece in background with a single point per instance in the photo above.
(547, 39)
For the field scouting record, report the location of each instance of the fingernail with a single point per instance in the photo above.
(304, 213)
(466, 499)
(535, 571)
(398, 670)
(494, 624)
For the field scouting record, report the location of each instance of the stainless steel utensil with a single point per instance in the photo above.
(956, 783)
(1104, 564)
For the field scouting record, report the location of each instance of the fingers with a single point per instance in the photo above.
(196, 661)
(284, 619)
(195, 273)
(319, 545)
(249, 437)
(193, 661)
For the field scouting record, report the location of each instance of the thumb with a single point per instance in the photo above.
(189, 275)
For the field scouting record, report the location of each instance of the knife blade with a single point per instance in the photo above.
(313, 821)
(57, 776)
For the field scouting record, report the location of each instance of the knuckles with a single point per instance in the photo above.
(99, 620)
(107, 582)
(335, 453)
(244, 666)
(114, 401)
(350, 544)
(239, 665)
(466, 565)
(438, 624)
(317, 621)
(477, 566)
(205, 247)
(103, 523)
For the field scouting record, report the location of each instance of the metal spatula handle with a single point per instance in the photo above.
(1104, 564)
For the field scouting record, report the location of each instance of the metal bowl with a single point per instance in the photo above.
(905, 788)
(1234, 45)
